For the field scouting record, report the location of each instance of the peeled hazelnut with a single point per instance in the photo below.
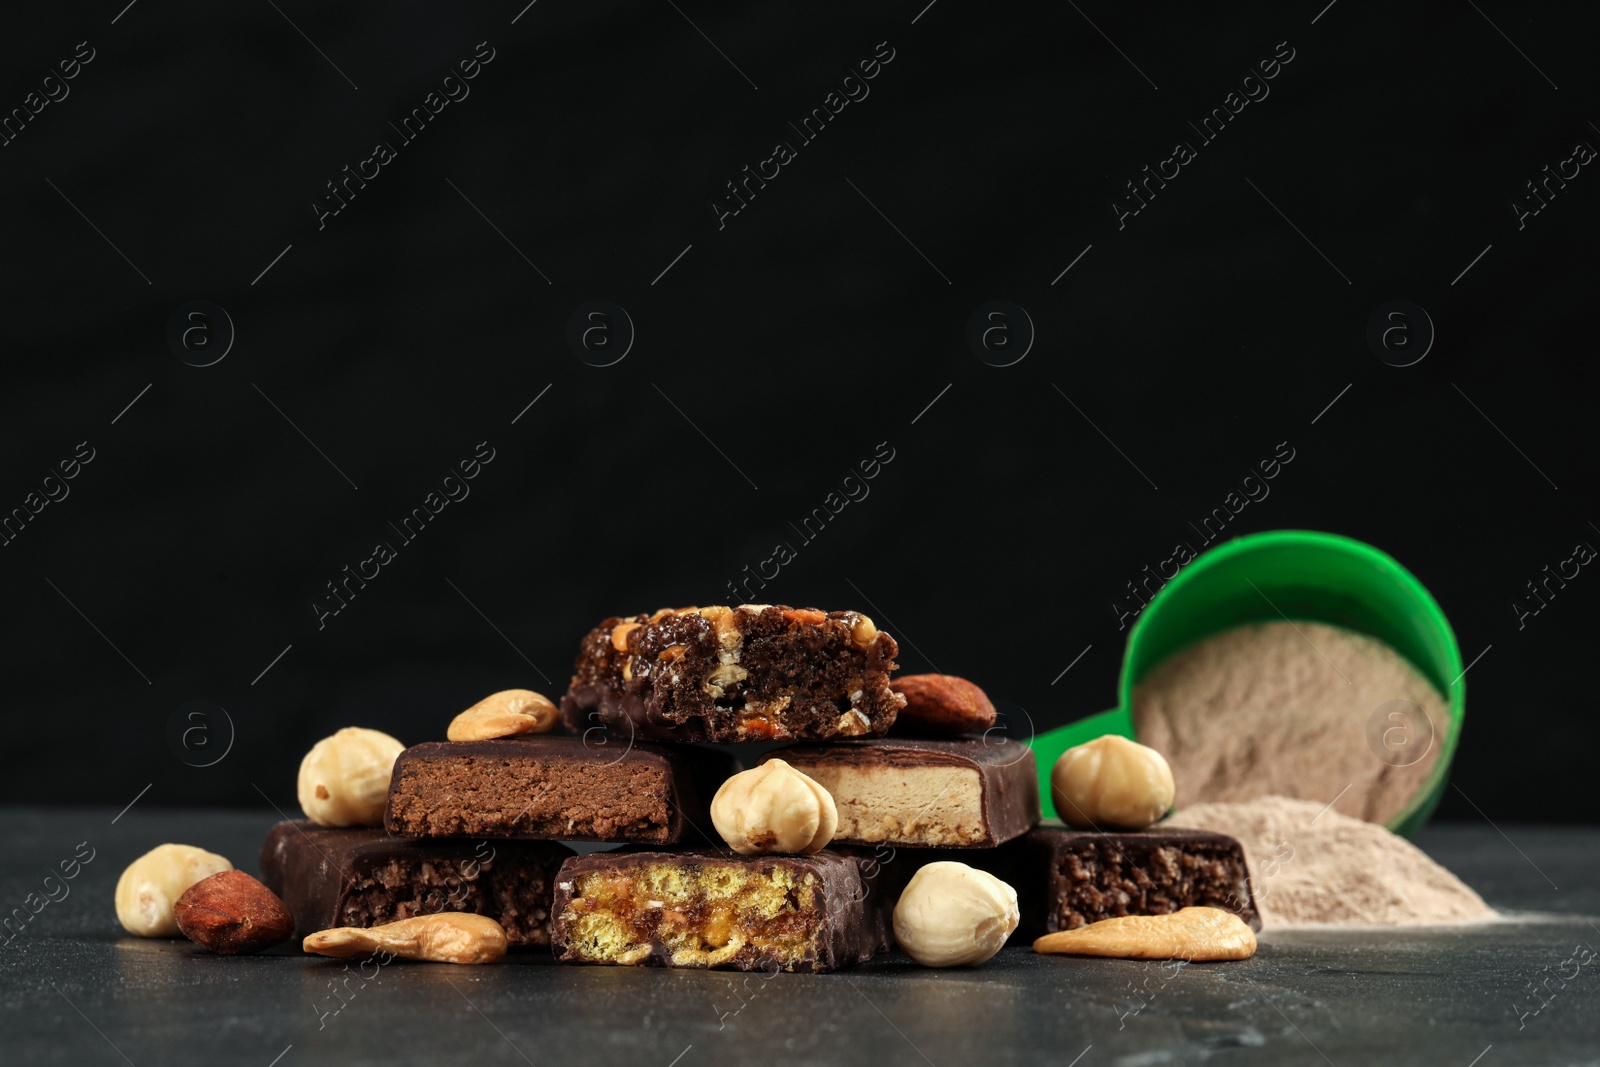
(504, 714)
(149, 889)
(344, 779)
(1111, 782)
(862, 632)
(774, 808)
(951, 915)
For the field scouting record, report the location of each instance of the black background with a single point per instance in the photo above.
(821, 320)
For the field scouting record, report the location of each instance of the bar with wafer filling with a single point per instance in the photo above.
(966, 793)
(715, 909)
(757, 672)
(332, 877)
(1068, 878)
(556, 788)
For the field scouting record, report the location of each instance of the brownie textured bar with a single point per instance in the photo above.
(967, 793)
(714, 909)
(1068, 878)
(556, 788)
(363, 877)
(757, 672)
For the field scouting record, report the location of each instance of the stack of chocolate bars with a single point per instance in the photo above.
(914, 768)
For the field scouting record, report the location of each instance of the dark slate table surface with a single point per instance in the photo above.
(74, 989)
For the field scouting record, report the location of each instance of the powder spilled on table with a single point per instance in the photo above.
(1312, 866)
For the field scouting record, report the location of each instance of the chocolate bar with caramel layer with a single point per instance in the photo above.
(714, 909)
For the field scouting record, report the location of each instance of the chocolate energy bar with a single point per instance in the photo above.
(332, 877)
(1068, 878)
(967, 793)
(714, 909)
(756, 672)
(561, 788)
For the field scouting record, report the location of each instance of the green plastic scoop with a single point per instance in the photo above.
(1265, 577)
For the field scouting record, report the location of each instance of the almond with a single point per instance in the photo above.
(1186, 934)
(233, 914)
(943, 704)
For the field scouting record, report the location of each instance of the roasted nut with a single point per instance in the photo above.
(951, 915)
(1186, 934)
(862, 632)
(504, 714)
(1111, 782)
(619, 635)
(152, 884)
(774, 808)
(443, 937)
(344, 779)
(943, 704)
(233, 914)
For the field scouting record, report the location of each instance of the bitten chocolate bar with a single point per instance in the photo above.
(363, 877)
(1068, 878)
(558, 788)
(967, 793)
(757, 672)
(714, 909)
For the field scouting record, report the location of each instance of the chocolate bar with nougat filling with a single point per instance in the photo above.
(361, 876)
(718, 910)
(557, 788)
(962, 793)
(756, 672)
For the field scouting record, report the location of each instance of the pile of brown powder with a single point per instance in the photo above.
(1310, 866)
(1297, 709)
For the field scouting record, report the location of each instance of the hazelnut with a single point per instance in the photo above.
(344, 779)
(504, 714)
(1111, 782)
(149, 889)
(862, 632)
(952, 915)
(619, 635)
(774, 808)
